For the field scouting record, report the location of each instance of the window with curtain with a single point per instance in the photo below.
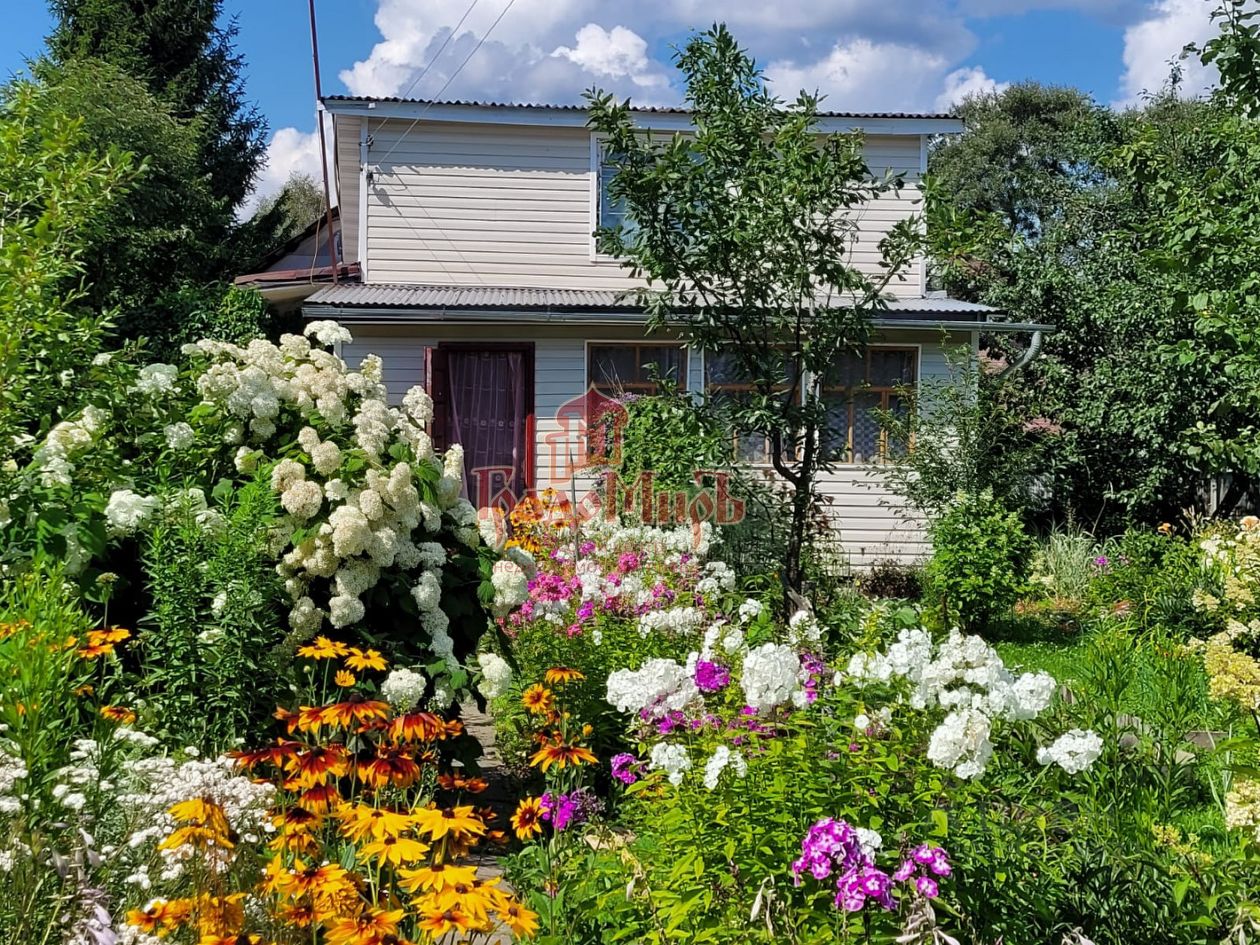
(856, 390)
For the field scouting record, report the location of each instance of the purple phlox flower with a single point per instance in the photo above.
(585, 610)
(563, 811)
(625, 768)
(923, 865)
(672, 720)
(711, 677)
(628, 562)
(586, 548)
(1101, 562)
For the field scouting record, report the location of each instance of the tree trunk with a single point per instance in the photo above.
(802, 499)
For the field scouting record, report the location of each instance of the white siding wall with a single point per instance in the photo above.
(471, 204)
(346, 165)
(871, 523)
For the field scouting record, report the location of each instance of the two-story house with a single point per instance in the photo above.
(471, 227)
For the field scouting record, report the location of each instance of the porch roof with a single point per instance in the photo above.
(383, 303)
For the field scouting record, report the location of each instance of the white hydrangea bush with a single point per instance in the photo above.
(366, 501)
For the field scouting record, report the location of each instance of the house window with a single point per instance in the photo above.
(610, 212)
(724, 379)
(633, 367)
(856, 390)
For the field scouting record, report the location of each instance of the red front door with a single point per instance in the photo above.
(483, 400)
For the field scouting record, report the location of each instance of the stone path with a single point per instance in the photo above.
(499, 796)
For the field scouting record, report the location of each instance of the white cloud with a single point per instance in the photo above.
(289, 151)
(614, 53)
(861, 75)
(1152, 45)
(964, 83)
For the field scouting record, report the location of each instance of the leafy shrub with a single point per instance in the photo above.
(892, 579)
(980, 561)
(1153, 579)
(212, 660)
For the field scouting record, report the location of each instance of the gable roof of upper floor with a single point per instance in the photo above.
(656, 117)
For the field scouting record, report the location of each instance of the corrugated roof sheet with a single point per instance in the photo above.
(653, 109)
(483, 298)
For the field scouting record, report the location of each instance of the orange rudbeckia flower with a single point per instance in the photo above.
(527, 821)
(538, 699)
(560, 754)
(365, 659)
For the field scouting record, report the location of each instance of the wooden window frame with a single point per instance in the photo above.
(765, 461)
(641, 387)
(885, 391)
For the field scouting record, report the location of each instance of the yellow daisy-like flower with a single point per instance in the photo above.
(522, 922)
(538, 699)
(559, 675)
(560, 754)
(436, 877)
(344, 679)
(322, 648)
(393, 850)
(371, 928)
(118, 713)
(527, 821)
(365, 659)
(458, 822)
(359, 821)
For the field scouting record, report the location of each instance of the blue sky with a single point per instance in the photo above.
(863, 54)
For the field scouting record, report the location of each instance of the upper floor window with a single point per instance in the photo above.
(859, 387)
(610, 212)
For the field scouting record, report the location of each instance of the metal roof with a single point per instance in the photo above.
(650, 109)
(574, 301)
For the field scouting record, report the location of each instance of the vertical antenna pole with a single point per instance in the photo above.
(334, 263)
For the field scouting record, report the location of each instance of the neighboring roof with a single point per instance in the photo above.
(647, 109)
(400, 302)
(316, 226)
(653, 117)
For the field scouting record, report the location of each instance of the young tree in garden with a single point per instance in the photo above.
(743, 228)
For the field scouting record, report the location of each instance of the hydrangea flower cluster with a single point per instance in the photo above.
(965, 676)
(496, 674)
(403, 688)
(835, 848)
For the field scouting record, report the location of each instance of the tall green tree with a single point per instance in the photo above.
(742, 227)
(1202, 228)
(57, 192)
(1032, 212)
(183, 51)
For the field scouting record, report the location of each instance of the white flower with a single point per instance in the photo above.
(749, 610)
(716, 764)
(326, 458)
(672, 759)
(344, 610)
(961, 742)
(157, 379)
(427, 592)
(246, 460)
(127, 511)
(286, 473)
(659, 685)
(328, 332)
(403, 688)
(496, 674)
(770, 676)
(511, 587)
(803, 628)
(675, 621)
(302, 499)
(1073, 751)
(870, 840)
(493, 527)
(305, 617)
(179, 436)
